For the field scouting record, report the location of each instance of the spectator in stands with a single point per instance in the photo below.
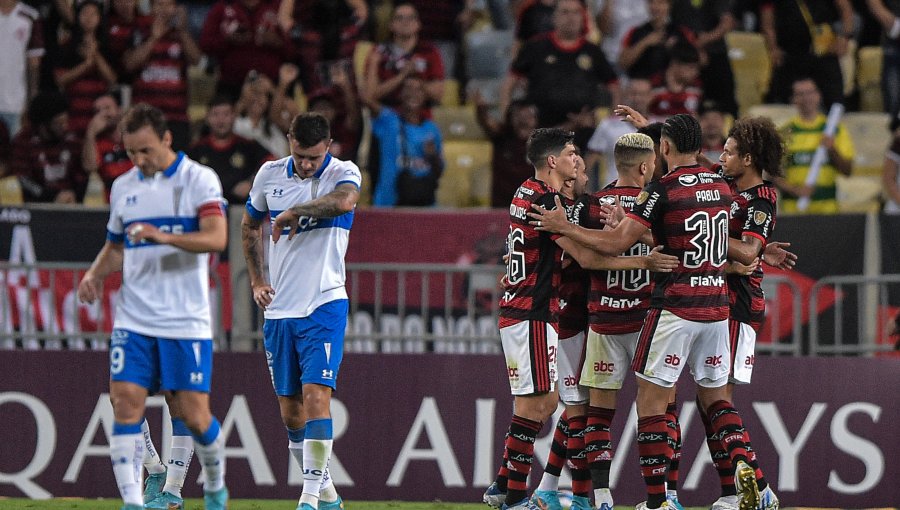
(891, 176)
(564, 74)
(411, 153)
(533, 18)
(20, 60)
(160, 55)
(615, 19)
(888, 16)
(234, 158)
(124, 23)
(806, 38)
(103, 151)
(509, 167)
(712, 127)
(678, 90)
(46, 156)
(803, 135)
(84, 71)
(710, 20)
(636, 93)
(443, 23)
(322, 31)
(244, 36)
(340, 107)
(645, 49)
(254, 120)
(405, 55)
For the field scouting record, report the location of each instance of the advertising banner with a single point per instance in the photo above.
(427, 427)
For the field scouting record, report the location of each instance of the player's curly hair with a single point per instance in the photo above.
(545, 142)
(684, 132)
(758, 137)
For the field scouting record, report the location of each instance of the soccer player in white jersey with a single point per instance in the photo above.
(166, 216)
(309, 197)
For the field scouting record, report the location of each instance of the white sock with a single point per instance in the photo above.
(152, 463)
(212, 457)
(126, 451)
(327, 492)
(549, 483)
(179, 462)
(316, 452)
(603, 496)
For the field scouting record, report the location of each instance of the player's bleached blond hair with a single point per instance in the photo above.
(631, 149)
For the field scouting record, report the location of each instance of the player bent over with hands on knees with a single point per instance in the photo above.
(310, 196)
(687, 211)
(166, 215)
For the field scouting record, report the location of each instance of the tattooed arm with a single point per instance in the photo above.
(251, 240)
(340, 201)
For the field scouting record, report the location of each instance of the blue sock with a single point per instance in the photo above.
(210, 435)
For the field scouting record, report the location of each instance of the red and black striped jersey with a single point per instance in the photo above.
(617, 300)
(162, 81)
(752, 214)
(573, 285)
(688, 212)
(533, 269)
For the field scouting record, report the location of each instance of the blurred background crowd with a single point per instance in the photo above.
(434, 99)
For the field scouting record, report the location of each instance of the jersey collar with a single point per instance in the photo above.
(168, 172)
(290, 167)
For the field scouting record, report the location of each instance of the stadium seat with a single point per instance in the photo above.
(868, 78)
(859, 193)
(457, 123)
(465, 159)
(10, 191)
(779, 113)
(96, 194)
(201, 85)
(360, 54)
(871, 138)
(451, 93)
(750, 63)
(489, 88)
(848, 68)
(488, 53)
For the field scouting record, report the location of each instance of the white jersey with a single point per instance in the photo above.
(165, 290)
(307, 271)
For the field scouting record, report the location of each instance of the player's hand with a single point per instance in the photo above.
(735, 267)
(612, 214)
(89, 288)
(262, 295)
(141, 231)
(287, 219)
(777, 256)
(552, 220)
(660, 262)
(632, 116)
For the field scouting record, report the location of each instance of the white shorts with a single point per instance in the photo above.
(668, 343)
(742, 343)
(608, 360)
(571, 358)
(530, 348)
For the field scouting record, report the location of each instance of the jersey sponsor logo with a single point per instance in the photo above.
(131, 200)
(610, 200)
(760, 217)
(688, 179)
(516, 211)
(708, 195)
(619, 303)
(642, 197)
(672, 360)
(707, 281)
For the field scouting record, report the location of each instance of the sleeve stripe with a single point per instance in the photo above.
(637, 218)
(754, 234)
(211, 209)
(115, 238)
(255, 213)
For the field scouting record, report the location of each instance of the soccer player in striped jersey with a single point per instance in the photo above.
(687, 211)
(310, 197)
(753, 146)
(166, 216)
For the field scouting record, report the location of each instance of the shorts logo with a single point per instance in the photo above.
(714, 361)
(196, 377)
(672, 360)
(570, 381)
(602, 366)
(750, 360)
(327, 374)
(513, 372)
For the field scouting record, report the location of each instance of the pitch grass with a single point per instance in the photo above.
(244, 504)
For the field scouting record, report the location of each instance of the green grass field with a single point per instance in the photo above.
(238, 504)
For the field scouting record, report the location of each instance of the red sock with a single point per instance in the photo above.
(598, 444)
(675, 442)
(655, 454)
(760, 479)
(520, 448)
(557, 457)
(719, 456)
(581, 475)
(728, 426)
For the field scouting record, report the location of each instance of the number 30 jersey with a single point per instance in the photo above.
(688, 211)
(533, 269)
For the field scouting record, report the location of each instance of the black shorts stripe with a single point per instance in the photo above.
(540, 365)
(645, 339)
(734, 334)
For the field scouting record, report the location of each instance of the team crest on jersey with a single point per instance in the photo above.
(688, 179)
(237, 160)
(760, 217)
(642, 197)
(551, 59)
(584, 62)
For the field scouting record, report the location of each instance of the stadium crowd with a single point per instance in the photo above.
(230, 75)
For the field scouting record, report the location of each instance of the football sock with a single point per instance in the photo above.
(598, 441)
(719, 456)
(152, 462)
(675, 442)
(655, 452)
(520, 448)
(180, 459)
(581, 475)
(210, 448)
(502, 479)
(729, 427)
(316, 452)
(126, 451)
(557, 457)
(327, 492)
(761, 482)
